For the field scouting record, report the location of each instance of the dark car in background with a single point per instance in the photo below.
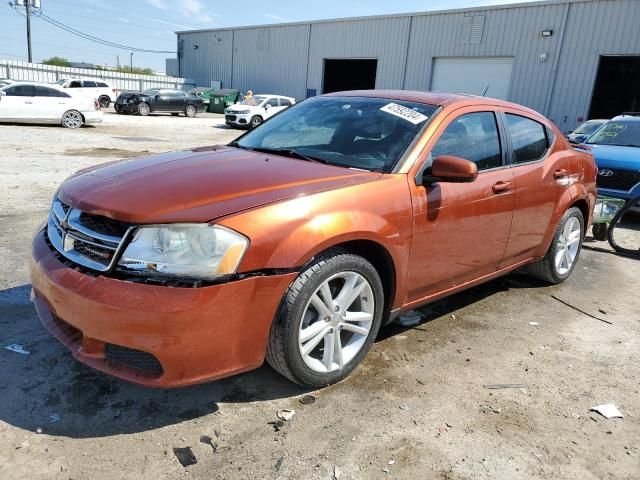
(585, 130)
(159, 100)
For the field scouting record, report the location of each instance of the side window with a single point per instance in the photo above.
(473, 136)
(284, 102)
(272, 101)
(75, 84)
(49, 92)
(528, 137)
(89, 84)
(21, 91)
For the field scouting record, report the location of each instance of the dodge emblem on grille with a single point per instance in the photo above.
(605, 173)
(69, 243)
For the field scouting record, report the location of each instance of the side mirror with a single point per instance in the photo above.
(450, 169)
(267, 106)
(156, 96)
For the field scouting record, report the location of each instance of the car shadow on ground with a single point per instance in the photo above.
(50, 390)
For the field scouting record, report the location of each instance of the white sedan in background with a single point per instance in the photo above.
(29, 102)
(254, 110)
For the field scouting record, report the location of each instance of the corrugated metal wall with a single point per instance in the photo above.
(554, 75)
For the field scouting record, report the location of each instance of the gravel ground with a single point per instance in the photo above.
(416, 408)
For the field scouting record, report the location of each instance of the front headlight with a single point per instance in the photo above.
(190, 250)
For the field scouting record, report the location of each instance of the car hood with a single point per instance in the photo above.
(198, 185)
(613, 156)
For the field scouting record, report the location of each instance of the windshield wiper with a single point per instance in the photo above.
(289, 152)
(237, 145)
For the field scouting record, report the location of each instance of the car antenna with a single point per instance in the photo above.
(485, 91)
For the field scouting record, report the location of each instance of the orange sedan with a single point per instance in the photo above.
(296, 242)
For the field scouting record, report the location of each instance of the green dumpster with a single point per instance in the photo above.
(204, 93)
(222, 98)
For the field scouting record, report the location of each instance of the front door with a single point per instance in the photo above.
(19, 103)
(461, 229)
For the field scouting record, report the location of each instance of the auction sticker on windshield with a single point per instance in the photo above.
(404, 112)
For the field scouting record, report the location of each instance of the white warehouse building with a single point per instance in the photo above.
(568, 59)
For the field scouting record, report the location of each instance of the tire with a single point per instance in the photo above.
(339, 271)
(104, 101)
(190, 111)
(116, 107)
(72, 119)
(255, 121)
(550, 270)
(614, 222)
(599, 231)
(144, 109)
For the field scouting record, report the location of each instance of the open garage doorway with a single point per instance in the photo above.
(349, 74)
(616, 89)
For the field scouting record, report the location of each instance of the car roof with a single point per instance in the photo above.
(632, 116)
(442, 99)
(272, 95)
(39, 84)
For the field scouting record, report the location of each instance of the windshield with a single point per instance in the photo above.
(353, 132)
(254, 100)
(588, 128)
(62, 81)
(621, 133)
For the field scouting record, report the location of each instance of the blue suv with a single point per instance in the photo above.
(616, 148)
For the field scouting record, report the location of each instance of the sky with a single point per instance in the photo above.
(151, 24)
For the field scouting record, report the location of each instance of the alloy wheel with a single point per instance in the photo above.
(72, 119)
(336, 322)
(143, 109)
(568, 246)
(190, 111)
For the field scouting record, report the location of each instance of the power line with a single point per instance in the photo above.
(92, 38)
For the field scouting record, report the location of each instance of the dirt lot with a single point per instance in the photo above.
(417, 407)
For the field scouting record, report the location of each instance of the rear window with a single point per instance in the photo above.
(102, 84)
(528, 138)
(89, 84)
(284, 102)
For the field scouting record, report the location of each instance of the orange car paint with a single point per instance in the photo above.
(440, 238)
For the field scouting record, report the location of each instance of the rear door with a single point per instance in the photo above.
(163, 101)
(461, 229)
(51, 103)
(19, 103)
(540, 178)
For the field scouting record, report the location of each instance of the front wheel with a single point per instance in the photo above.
(72, 119)
(190, 111)
(255, 121)
(599, 231)
(327, 321)
(563, 253)
(144, 109)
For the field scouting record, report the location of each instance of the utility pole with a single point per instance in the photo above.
(28, 7)
(131, 64)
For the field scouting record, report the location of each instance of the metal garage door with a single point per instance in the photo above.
(478, 76)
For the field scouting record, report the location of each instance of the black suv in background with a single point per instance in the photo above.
(159, 100)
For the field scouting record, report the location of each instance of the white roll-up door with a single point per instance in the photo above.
(490, 77)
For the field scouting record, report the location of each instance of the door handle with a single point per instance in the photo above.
(560, 173)
(501, 187)
(27, 101)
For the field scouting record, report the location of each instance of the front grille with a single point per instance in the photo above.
(230, 118)
(92, 241)
(620, 180)
(135, 359)
(103, 225)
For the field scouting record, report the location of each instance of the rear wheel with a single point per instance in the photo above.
(104, 101)
(327, 320)
(255, 121)
(562, 256)
(144, 109)
(190, 111)
(72, 119)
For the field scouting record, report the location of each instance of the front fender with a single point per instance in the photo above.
(288, 234)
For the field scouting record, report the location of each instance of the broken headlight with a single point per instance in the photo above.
(190, 250)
